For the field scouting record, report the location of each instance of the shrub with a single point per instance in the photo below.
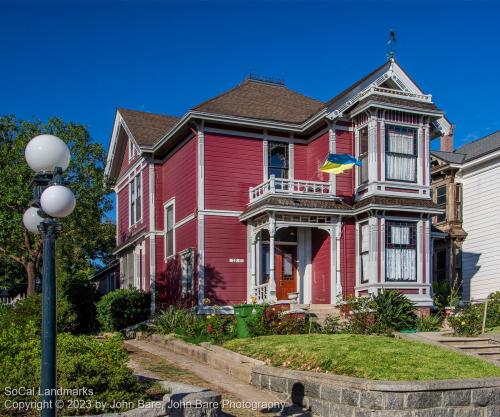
(386, 312)
(467, 321)
(273, 321)
(493, 312)
(122, 308)
(331, 325)
(215, 328)
(428, 324)
(83, 362)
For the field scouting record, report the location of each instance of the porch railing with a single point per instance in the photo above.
(261, 293)
(284, 186)
(12, 300)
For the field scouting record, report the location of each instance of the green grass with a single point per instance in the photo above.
(493, 330)
(372, 357)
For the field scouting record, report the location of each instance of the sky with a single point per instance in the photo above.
(80, 61)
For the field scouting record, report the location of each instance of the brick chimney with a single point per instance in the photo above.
(446, 142)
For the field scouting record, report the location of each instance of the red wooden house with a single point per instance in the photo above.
(227, 202)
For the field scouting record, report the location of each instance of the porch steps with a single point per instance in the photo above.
(483, 347)
(319, 312)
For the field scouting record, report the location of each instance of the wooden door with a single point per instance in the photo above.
(286, 270)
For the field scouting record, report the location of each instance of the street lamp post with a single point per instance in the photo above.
(49, 157)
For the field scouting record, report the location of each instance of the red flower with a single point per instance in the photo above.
(209, 328)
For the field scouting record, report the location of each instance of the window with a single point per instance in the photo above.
(187, 266)
(277, 162)
(401, 153)
(363, 154)
(131, 149)
(441, 197)
(364, 252)
(458, 202)
(169, 230)
(401, 251)
(135, 199)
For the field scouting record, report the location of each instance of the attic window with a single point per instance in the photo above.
(131, 149)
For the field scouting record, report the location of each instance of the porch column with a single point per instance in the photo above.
(253, 264)
(338, 274)
(332, 231)
(272, 274)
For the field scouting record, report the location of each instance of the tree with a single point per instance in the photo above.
(85, 238)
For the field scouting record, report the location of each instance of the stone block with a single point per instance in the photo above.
(485, 396)
(493, 411)
(393, 413)
(469, 412)
(430, 399)
(277, 384)
(264, 381)
(371, 399)
(350, 397)
(341, 410)
(457, 398)
(394, 401)
(434, 412)
(312, 388)
(330, 393)
(319, 407)
(296, 391)
(255, 379)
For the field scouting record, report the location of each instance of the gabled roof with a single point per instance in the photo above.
(263, 100)
(480, 147)
(147, 128)
(471, 150)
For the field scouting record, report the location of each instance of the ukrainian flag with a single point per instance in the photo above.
(337, 163)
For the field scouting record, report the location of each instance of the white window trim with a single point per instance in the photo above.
(132, 181)
(184, 289)
(170, 203)
(131, 149)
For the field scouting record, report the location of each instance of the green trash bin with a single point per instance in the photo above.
(243, 313)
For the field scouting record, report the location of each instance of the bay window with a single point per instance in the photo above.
(364, 252)
(401, 251)
(169, 230)
(401, 153)
(441, 199)
(135, 199)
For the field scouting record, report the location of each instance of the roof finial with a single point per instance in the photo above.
(392, 41)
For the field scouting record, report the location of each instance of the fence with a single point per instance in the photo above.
(12, 300)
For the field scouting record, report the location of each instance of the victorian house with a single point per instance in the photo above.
(227, 202)
(467, 233)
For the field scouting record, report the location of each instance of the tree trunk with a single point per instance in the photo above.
(31, 272)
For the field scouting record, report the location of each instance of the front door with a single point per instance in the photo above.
(286, 270)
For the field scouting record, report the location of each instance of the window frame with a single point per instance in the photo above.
(363, 156)
(188, 275)
(169, 205)
(414, 245)
(387, 127)
(442, 205)
(135, 199)
(362, 279)
(131, 149)
(286, 146)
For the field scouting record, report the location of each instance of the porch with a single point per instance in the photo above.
(294, 256)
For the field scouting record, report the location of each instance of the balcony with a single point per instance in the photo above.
(292, 188)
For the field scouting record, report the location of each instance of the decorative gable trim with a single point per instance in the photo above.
(111, 157)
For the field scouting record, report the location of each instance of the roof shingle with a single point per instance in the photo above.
(148, 128)
(262, 100)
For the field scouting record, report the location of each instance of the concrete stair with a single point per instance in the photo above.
(483, 347)
(319, 312)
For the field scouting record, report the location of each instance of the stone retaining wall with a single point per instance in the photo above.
(338, 396)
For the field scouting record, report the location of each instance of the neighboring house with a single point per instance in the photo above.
(227, 202)
(107, 279)
(466, 184)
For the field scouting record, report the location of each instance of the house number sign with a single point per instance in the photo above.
(236, 260)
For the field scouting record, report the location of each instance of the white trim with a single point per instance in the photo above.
(291, 164)
(125, 177)
(185, 220)
(201, 214)
(265, 149)
(332, 146)
(152, 243)
(222, 213)
(167, 205)
(133, 183)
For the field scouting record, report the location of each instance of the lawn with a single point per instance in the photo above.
(372, 357)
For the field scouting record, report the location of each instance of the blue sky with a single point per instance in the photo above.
(82, 60)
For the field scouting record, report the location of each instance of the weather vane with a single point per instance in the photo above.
(391, 41)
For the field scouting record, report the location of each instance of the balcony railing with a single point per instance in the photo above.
(261, 293)
(284, 186)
